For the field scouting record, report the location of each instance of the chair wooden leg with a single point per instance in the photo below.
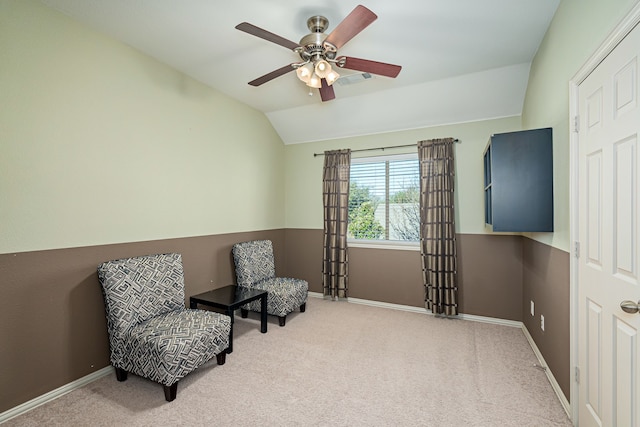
(121, 374)
(221, 357)
(282, 320)
(244, 313)
(170, 391)
(303, 307)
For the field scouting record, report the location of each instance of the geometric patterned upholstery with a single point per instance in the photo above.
(255, 268)
(151, 333)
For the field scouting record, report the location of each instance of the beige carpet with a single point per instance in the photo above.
(338, 364)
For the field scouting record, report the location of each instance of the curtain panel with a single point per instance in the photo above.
(437, 225)
(335, 194)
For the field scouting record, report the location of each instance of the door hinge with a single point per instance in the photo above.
(576, 249)
(576, 124)
(577, 375)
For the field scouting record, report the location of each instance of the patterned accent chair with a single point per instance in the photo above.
(151, 333)
(255, 268)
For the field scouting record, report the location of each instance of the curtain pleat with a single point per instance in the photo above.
(335, 194)
(437, 225)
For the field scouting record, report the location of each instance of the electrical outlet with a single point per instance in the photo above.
(542, 322)
(533, 310)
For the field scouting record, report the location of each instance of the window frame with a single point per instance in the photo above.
(382, 243)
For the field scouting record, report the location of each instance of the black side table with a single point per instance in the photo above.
(230, 298)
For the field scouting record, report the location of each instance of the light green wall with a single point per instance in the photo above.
(101, 144)
(577, 30)
(304, 171)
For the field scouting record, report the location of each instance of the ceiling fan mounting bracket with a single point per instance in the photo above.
(340, 62)
(317, 24)
(328, 47)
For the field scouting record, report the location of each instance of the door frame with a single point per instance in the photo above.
(625, 26)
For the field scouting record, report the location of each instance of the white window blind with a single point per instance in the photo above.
(384, 198)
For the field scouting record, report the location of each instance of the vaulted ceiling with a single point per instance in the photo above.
(462, 60)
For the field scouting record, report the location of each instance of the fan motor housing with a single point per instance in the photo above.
(313, 41)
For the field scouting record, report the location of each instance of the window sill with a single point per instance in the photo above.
(396, 246)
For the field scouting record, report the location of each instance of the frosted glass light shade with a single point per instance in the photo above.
(332, 77)
(304, 73)
(322, 68)
(315, 81)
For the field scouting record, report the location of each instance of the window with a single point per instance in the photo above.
(384, 199)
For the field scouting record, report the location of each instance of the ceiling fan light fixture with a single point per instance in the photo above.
(331, 78)
(323, 68)
(319, 52)
(305, 72)
(315, 81)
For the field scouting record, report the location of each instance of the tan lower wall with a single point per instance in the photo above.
(489, 272)
(53, 329)
(490, 275)
(546, 275)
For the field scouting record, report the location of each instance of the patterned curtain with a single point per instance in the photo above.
(437, 226)
(335, 195)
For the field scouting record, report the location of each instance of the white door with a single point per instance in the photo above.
(609, 262)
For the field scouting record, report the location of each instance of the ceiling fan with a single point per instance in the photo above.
(319, 50)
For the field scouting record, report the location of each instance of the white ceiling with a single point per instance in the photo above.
(462, 60)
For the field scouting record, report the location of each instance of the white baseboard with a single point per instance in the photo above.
(554, 384)
(54, 394)
(492, 320)
(422, 310)
(380, 304)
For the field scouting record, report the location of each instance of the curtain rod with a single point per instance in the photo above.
(379, 148)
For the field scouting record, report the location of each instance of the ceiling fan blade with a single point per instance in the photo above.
(367, 66)
(272, 75)
(268, 36)
(359, 19)
(326, 91)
